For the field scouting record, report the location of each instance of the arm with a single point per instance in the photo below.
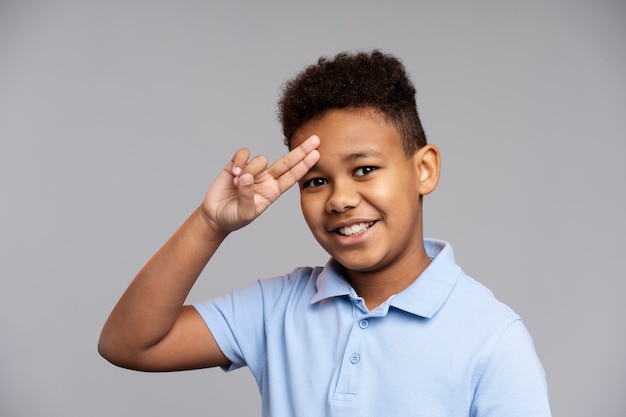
(150, 328)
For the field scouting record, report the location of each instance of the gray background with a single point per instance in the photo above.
(116, 115)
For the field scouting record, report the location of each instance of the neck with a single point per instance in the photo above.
(376, 286)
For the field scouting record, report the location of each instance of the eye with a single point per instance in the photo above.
(362, 171)
(314, 182)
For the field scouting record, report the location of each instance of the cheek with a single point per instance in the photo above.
(394, 196)
(309, 209)
(381, 195)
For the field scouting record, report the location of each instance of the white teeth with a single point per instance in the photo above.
(354, 229)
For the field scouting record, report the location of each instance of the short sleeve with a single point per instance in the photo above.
(512, 382)
(236, 321)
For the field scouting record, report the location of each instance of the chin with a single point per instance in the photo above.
(357, 266)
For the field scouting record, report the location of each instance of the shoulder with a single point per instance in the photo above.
(471, 295)
(458, 297)
(269, 293)
(296, 280)
(475, 314)
(238, 320)
(300, 280)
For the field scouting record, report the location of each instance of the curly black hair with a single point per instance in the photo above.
(360, 80)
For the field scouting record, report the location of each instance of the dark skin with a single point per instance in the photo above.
(352, 173)
(150, 329)
(365, 181)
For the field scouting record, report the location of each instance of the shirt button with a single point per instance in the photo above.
(363, 324)
(355, 358)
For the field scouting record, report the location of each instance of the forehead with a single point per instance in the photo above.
(351, 130)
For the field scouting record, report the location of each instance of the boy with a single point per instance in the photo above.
(391, 326)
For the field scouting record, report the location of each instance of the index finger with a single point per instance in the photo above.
(292, 166)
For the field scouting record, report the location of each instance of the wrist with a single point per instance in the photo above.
(211, 230)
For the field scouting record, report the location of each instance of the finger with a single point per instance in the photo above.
(257, 165)
(292, 176)
(238, 161)
(295, 157)
(236, 164)
(246, 209)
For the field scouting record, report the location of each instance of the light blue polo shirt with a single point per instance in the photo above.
(442, 347)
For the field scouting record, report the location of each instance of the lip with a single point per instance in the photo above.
(347, 223)
(349, 240)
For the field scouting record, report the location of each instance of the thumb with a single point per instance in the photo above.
(247, 208)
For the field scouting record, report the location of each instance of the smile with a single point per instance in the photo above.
(354, 229)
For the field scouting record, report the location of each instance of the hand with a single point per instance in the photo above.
(244, 189)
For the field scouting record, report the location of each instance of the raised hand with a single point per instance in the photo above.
(150, 328)
(245, 188)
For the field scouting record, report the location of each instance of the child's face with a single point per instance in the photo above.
(362, 198)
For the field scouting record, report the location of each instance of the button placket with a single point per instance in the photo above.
(355, 357)
(350, 372)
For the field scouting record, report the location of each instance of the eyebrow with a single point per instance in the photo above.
(368, 153)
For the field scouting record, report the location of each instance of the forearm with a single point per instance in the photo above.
(150, 306)
(149, 328)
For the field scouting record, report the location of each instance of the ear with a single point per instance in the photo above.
(428, 164)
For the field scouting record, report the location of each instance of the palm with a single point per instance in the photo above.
(225, 204)
(230, 205)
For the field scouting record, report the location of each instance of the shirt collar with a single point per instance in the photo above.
(423, 297)
(331, 282)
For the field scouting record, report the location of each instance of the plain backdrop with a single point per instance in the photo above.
(116, 115)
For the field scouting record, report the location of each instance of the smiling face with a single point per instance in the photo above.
(362, 198)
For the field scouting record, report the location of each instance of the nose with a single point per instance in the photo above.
(343, 197)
